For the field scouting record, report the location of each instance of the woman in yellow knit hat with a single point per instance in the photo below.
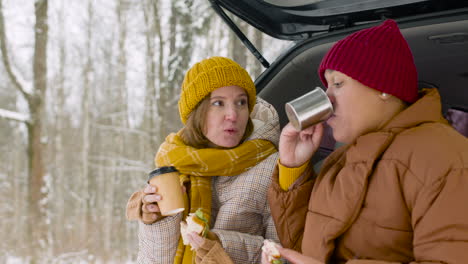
(225, 154)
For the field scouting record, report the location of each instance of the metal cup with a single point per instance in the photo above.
(309, 109)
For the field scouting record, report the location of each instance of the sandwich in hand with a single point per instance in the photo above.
(271, 251)
(195, 222)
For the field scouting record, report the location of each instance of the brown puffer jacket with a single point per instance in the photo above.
(399, 195)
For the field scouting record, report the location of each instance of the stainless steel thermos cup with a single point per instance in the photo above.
(309, 109)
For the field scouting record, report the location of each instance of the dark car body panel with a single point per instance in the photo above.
(296, 20)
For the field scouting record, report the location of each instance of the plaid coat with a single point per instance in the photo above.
(240, 211)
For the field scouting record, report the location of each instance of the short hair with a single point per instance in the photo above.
(192, 132)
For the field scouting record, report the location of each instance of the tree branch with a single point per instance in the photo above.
(6, 61)
(15, 116)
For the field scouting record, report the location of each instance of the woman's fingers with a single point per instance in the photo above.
(264, 258)
(150, 203)
(296, 257)
(149, 218)
(150, 195)
(195, 240)
(287, 145)
(149, 189)
(151, 213)
(151, 208)
(151, 198)
(317, 135)
(297, 147)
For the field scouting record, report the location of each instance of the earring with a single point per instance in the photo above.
(384, 96)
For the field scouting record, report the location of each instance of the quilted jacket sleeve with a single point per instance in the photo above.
(289, 208)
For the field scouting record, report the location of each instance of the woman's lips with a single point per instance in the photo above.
(331, 118)
(230, 130)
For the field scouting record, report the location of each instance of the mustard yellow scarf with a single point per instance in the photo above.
(195, 164)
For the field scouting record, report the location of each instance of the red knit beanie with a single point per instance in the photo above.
(378, 57)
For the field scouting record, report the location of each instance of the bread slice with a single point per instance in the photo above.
(271, 250)
(195, 222)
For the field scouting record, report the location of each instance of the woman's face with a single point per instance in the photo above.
(358, 109)
(227, 116)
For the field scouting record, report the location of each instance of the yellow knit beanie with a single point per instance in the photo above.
(209, 75)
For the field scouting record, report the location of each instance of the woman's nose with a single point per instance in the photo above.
(331, 96)
(329, 92)
(231, 113)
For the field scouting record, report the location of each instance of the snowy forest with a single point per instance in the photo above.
(88, 91)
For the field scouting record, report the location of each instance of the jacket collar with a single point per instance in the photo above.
(266, 122)
(427, 109)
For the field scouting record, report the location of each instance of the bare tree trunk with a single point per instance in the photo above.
(35, 128)
(120, 138)
(85, 123)
(153, 30)
(58, 147)
(18, 197)
(102, 224)
(37, 224)
(179, 61)
(172, 28)
(122, 59)
(165, 88)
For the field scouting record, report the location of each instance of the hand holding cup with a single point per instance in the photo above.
(170, 197)
(301, 138)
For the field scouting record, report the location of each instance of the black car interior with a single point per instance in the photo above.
(440, 50)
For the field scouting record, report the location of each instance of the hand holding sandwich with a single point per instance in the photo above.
(195, 228)
(272, 252)
(195, 232)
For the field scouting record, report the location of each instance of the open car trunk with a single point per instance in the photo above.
(438, 39)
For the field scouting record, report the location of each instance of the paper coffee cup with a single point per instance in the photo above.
(309, 109)
(166, 180)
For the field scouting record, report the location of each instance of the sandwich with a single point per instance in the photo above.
(195, 222)
(271, 250)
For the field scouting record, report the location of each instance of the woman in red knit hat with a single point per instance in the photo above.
(396, 191)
